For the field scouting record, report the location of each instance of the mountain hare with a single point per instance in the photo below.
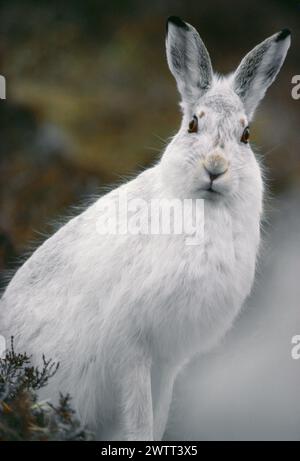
(124, 311)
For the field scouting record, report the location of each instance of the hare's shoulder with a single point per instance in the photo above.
(80, 243)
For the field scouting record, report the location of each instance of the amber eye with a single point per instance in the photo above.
(246, 135)
(193, 125)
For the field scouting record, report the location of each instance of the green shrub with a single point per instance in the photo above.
(22, 416)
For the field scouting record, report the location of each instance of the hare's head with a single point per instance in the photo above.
(211, 157)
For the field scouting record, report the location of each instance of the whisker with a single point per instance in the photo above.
(163, 141)
(265, 154)
(151, 148)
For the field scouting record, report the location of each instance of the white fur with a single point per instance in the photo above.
(123, 314)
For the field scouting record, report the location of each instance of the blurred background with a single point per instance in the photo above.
(90, 100)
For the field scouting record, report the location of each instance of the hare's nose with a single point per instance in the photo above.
(213, 176)
(215, 165)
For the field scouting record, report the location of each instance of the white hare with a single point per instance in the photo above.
(123, 313)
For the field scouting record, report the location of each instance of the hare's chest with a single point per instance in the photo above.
(210, 283)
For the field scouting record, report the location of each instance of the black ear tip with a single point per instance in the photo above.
(283, 34)
(177, 22)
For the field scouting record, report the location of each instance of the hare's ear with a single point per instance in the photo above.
(259, 69)
(188, 59)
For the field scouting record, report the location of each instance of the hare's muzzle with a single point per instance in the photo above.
(216, 165)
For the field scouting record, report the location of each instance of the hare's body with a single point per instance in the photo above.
(171, 301)
(123, 313)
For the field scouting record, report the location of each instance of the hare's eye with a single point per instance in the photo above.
(246, 135)
(193, 125)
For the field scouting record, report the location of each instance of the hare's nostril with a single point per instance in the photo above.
(215, 166)
(214, 176)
